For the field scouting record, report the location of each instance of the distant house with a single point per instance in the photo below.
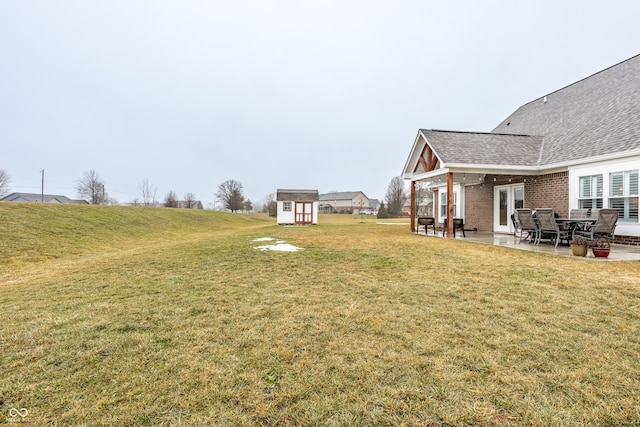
(38, 198)
(576, 147)
(348, 202)
(298, 207)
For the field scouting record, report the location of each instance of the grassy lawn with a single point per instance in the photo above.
(132, 316)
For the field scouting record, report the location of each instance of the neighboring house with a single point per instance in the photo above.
(577, 147)
(349, 202)
(37, 198)
(298, 207)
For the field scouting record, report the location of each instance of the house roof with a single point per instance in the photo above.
(33, 197)
(297, 195)
(484, 148)
(341, 195)
(597, 116)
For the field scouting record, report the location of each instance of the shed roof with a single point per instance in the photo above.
(297, 195)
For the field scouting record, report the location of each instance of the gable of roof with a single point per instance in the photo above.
(596, 116)
(297, 195)
(483, 148)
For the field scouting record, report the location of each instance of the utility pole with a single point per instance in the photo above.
(42, 188)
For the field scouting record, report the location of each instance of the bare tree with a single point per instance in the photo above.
(396, 196)
(190, 201)
(171, 200)
(148, 192)
(91, 188)
(270, 206)
(230, 192)
(5, 180)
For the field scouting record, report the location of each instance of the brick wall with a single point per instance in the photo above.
(545, 191)
(548, 191)
(627, 240)
(478, 207)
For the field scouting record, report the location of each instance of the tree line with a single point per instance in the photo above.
(230, 194)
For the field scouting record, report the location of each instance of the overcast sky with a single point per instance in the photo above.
(325, 95)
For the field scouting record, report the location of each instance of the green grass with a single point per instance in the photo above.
(130, 316)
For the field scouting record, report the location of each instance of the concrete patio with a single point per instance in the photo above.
(618, 252)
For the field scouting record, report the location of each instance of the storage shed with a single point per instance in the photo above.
(299, 207)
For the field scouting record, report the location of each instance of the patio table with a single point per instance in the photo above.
(573, 223)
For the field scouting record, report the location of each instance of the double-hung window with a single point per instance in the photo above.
(590, 192)
(443, 204)
(623, 194)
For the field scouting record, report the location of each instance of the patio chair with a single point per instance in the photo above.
(604, 226)
(549, 228)
(578, 214)
(517, 228)
(458, 223)
(528, 225)
(427, 221)
(593, 213)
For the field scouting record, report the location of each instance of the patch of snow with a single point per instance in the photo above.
(280, 246)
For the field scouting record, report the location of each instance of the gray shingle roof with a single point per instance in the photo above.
(34, 197)
(484, 148)
(297, 195)
(595, 116)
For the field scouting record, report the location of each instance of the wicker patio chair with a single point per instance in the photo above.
(517, 228)
(528, 225)
(579, 214)
(604, 226)
(550, 228)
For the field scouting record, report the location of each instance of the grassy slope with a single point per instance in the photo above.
(145, 317)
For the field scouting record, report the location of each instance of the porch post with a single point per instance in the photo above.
(449, 224)
(413, 206)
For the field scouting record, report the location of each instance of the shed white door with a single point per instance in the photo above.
(304, 212)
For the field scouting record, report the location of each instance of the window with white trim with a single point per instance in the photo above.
(286, 206)
(623, 194)
(590, 192)
(443, 204)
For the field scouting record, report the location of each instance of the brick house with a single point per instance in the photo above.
(577, 147)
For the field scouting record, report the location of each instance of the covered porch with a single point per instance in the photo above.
(482, 178)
